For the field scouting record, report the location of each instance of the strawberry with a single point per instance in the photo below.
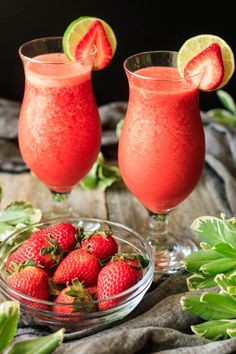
(102, 244)
(93, 291)
(113, 279)
(32, 281)
(135, 260)
(46, 246)
(95, 36)
(210, 62)
(64, 234)
(75, 295)
(31, 250)
(79, 264)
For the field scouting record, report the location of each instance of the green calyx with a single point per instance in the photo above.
(80, 295)
(142, 262)
(53, 248)
(87, 235)
(160, 217)
(16, 268)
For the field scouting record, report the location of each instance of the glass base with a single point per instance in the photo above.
(168, 254)
(61, 206)
(53, 214)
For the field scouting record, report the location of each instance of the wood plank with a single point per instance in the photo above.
(125, 208)
(90, 203)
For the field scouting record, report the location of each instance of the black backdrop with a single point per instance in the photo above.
(139, 25)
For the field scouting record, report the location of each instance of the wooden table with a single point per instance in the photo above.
(117, 204)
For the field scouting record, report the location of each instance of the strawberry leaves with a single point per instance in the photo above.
(9, 316)
(41, 345)
(101, 175)
(226, 115)
(214, 265)
(213, 230)
(16, 215)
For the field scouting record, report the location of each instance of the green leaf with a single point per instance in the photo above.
(225, 249)
(218, 266)
(215, 330)
(15, 241)
(90, 180)
(0, 192)
(195, 260)
(5, 230)
(226, 284)
(101, 175)
(220, 115)
(226, 100)
(107, 176)
(213, 230)
(231, 332)
(20, 212)
(205, 246)
(199, 281)
(119, 127)
(9, 316)
(194, 306)
(223, 305)
(42, 345)
(210, 306)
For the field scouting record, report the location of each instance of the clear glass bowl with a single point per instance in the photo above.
(128, 241)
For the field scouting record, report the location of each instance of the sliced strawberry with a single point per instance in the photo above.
(95, 36)
(210, 62)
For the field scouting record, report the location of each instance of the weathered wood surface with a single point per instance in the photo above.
(116, 204)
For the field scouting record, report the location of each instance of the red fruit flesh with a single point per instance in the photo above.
(210, 62)
(32, 281)
(95, 36)
(78, 264)
(113, 279)
(101, 246)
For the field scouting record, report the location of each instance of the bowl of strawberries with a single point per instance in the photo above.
(75, 272)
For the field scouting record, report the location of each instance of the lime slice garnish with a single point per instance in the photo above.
(76, 31)
(195, 45)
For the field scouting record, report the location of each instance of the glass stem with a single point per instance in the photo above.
(158, 230)
(61, 204)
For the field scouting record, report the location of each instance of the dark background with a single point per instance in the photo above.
(139, 26)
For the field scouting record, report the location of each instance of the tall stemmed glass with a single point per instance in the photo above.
(162, 146)
(59, 125)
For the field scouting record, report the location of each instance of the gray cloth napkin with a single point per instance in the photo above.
(158, 324)
(10, 158)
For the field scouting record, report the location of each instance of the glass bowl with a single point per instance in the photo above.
(128, 241)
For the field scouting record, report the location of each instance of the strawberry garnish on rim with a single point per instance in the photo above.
(209, 61)
(95, 37)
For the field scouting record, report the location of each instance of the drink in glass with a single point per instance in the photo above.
(162, 147)
(59, 125)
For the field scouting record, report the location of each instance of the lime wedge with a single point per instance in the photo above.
(195, 45)
(76, 32)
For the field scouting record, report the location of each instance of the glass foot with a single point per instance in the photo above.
(61, 206)
(169, 254)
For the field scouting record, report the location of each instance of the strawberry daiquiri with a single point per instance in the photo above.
(59, 126)
(162, 147)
